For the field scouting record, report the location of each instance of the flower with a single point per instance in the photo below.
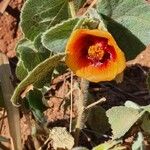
(94, 55)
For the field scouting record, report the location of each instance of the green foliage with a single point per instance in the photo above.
(37, 16)
(30, 55)
(146, 123)
(110, 145)
(146, 108)
(98, 116)
(36, 105)
(80, 148)
(128, 21)
(21, 71)
(47, 27)
(120, 121)
(61, 138)
(55, 38)
(36, 75)
(139, 143)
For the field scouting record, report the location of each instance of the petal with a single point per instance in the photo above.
(76, 50)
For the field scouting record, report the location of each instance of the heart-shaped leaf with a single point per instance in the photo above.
(55, 38)
(29, 57)
(37, 74)
(129, 23)
(36, 105)
(38, 15)
(120, 121)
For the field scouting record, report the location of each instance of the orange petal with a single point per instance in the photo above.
(76, 56)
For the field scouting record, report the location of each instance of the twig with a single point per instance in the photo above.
(45, 143)
(13, 112)
(3, 116)
(3, 6)
(91, 5)
(103, 99)
(71, 107)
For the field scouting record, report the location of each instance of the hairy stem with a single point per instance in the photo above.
(81, 105)
(83, 96)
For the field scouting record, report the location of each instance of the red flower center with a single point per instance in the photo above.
(99, 52)
(95, 52)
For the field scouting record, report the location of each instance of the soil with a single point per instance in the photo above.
(132, 88)
(9, 30)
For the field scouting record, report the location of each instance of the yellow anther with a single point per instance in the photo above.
(95, 51)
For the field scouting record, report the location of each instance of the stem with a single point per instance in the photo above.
(81, 105)
(12, 112)
(83, 96)
(72, 9)
(71, 109)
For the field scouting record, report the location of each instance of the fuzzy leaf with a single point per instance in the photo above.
(98, 116)
(55, 39)
(30, 57)
(139, 143)
(27, 51)
(128, 21)
(35, 103)
(131, 104)
(120, 121)
(37, 15)
(37, 74)
(146, 108)
(110, 145)
(79, 148)
(61, 138)
(146, 123)
(21, 71)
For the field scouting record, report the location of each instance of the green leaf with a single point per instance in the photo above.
(120, 121)
(139, 143)
(146, 123)
(146, 108)
(61, 138)
(110, 145)
(21, 71)
(37, 15)
(35, 103)
(30, 55)
(55, 39)
(128, 21)
(37, 74)
(98, 116)
(79, 148)
(131, 104)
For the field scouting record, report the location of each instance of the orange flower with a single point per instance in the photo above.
(94, 55)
